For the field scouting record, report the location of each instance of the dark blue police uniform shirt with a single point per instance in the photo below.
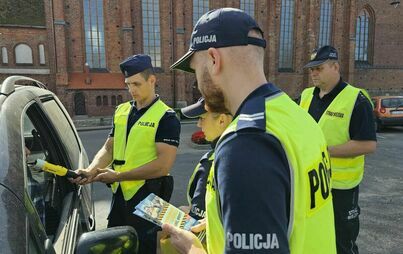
(362, 121)
(168, 129)
(253, 180)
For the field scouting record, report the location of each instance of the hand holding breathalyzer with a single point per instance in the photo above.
(55, 169)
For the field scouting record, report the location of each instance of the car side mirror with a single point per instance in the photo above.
(110, 240)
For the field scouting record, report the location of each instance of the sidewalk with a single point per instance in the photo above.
(87, 123)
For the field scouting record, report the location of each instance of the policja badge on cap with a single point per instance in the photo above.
(321, 55)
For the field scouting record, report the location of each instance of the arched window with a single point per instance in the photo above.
(79, 104)
(41, 49)
(362, 37)
(105, 100)
(325, 29)
(248, 6)
(120, 100)
(113, 100)
(23, 54)
(151, 30)
(286, 52)
(99, 101)
(4, 55)
(94, 33)
(199, 8)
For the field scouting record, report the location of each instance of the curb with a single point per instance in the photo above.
(189, 122)
(93, 128)
(105, 127)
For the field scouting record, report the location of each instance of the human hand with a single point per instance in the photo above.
(184, 208)
(106, 175)
(199, 227)
(85, 176)
(183, 241)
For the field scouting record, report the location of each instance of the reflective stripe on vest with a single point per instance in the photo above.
(140, 147)
(311, 222)
(335, 123)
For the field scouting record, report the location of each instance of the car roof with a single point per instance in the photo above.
(14, 84)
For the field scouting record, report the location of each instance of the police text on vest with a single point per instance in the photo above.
(246, 241)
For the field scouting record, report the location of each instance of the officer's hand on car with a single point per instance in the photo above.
(106, 175)
(184, 241)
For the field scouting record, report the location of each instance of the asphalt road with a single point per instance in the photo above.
(381, 192)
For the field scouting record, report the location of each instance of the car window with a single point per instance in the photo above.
(65, 131)
(36, 179)
(392, 102)
(45, 190)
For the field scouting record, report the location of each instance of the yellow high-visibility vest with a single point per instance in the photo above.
(140, 147)
(335, 123)
(311, 222)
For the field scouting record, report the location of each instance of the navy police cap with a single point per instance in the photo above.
(321, 55)
(195, 110)
(135, 64)
(225, 27)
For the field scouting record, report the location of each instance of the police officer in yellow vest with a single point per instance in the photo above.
(141, 149)
(213, 123)
(345, 115)
(269, 187)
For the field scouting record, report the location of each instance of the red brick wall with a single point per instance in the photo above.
(123, 37)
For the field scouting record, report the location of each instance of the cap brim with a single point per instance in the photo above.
(183, 63)
(195, 110)
(315, 63)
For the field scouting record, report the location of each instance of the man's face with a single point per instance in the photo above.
(323, 75)
(139, 88)
(211, 92)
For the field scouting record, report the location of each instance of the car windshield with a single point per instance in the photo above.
(392, 102)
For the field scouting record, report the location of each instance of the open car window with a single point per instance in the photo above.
(46, 191)
(64, 130)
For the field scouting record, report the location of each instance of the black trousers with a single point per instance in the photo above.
(121, 213)
(346, 216)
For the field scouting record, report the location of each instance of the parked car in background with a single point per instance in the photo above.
(39, 211)
(388, 111)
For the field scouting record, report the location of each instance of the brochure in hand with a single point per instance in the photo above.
(158, 211)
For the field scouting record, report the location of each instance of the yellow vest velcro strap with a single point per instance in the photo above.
(118, 162)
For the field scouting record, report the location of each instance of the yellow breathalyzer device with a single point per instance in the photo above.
(55, 169)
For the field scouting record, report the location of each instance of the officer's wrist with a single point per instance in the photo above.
(119, 176)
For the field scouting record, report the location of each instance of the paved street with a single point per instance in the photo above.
(381, 197)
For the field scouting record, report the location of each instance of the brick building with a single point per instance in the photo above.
(75, 46)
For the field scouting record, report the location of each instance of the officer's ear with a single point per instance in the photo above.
(214, 61)
(152, 79)
(336, 66)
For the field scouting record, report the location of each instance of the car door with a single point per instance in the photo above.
(63, 210)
